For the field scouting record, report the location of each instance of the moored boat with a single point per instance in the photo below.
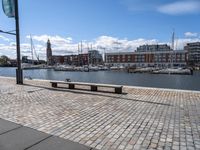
(64, 68)
(173, 71)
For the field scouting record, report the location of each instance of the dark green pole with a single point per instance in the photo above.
(19, 73)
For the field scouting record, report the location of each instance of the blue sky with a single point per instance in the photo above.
(102, 23)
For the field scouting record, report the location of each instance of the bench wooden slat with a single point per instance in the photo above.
(94, 86)
(89, 84)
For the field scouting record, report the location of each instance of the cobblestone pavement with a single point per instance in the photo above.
(142, 118)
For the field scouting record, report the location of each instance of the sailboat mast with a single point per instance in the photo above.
(173, 35)
(31, 49)
(78, 55)
(88, 54)
(81, 53)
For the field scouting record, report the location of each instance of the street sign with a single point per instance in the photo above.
(9, 8)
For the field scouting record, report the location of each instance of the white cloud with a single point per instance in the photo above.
(8, 50)
(5, 38)
(180, 7)
(7, 47)
(181, 42)
(12, 44)
(190, 34)
(60, 45)
(102, 43)
(55, 40)
(116, 44)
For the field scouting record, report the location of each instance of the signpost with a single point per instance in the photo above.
(10, 8)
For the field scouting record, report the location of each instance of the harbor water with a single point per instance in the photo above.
(186, 82)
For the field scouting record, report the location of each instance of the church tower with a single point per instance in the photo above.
(49, 53)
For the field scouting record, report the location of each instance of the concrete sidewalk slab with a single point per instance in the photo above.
(20, 139)
(56, 143)
(17, 137)
(6, 126)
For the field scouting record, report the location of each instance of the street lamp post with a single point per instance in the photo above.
(19, 73)
(10, 8)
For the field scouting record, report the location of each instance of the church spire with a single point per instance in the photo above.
(49, 53)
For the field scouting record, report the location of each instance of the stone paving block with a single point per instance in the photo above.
(142, 118)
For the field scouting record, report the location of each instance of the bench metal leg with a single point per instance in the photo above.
(93, 88)
(71, 86)
(54, 85)
(118, 90)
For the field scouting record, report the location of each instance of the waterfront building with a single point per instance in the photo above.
(57, 59)
(49, 53)
(76, 60)
(151, 56)
(155, 47)
(95, 58)
(193, 53)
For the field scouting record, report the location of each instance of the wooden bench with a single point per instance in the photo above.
(93, 86)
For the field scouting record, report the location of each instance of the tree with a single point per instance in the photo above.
(4, 60)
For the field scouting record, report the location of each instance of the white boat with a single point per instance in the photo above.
(114, 68)
(173, 71)
(79, 68)
(93, 68)
(26, 66)
(86, 69)
(143, 70)
(120, 68)
(103, 68)
(64, 68)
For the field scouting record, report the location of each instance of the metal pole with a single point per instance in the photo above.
(19, 73)
(7, 32)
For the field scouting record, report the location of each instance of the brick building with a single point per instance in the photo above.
(93, 57)
(149, 57)
(77, 60)
(193, 53)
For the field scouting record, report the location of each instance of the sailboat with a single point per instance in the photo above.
(172, 70)
(26, 66)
